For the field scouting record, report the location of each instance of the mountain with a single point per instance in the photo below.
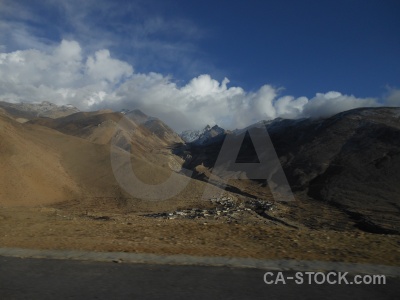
(190, 136)
(155, 126)
(26, 161)
(146, 136)
(69, 159)
(94, 126)
(202, 137)
(99, 126)
(69, 183)
(47, 109)
(350, 161)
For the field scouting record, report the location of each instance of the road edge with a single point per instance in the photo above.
(235, 262)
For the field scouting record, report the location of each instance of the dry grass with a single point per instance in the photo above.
(113, 229)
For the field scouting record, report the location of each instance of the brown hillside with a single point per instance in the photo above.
(41, 165)
(31, 172)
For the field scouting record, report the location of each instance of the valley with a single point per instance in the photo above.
(58, 188)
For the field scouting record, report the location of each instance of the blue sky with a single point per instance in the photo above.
(305, 46)
(282, 58)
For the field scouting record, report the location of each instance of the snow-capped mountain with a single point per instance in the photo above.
(201, 137)
(190, 136)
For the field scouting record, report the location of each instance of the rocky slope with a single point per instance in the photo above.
(350, 161)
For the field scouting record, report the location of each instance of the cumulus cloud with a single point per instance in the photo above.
(103, 67)
(62, 75)
(65, 75)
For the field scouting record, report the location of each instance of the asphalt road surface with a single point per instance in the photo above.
(34, 278)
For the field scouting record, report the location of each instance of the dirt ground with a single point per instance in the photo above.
(299, 230)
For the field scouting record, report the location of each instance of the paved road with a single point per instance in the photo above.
(34, 278)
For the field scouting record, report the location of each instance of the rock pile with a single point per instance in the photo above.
(223, 208)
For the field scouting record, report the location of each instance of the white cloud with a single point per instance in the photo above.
(140, 30)
(393, 97)
(324, 105)
(103, 67)
(64, 75)
(289, 107)
(61, 75)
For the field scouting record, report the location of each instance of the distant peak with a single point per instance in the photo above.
(201, 136)
(215, 127)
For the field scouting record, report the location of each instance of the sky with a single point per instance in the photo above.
(193, 63)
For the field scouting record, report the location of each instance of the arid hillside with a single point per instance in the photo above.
(32, 170)
(52, 160)
(69, 183)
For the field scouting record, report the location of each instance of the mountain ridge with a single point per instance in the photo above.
(350, 160)
(48, 109)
